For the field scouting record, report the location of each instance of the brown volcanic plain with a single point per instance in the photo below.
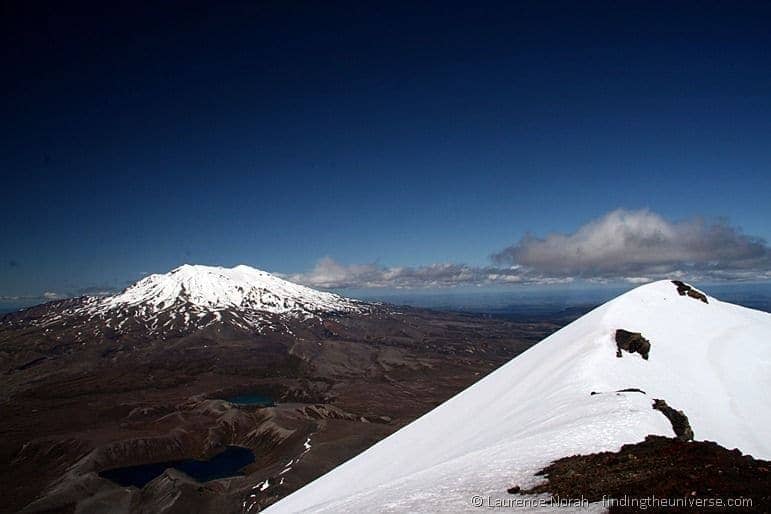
(75, 404)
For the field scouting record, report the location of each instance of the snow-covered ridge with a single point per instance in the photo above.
(241, 287)
(712, 360)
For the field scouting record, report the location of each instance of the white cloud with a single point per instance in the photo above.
(330, 274)
(631, 246)
(642, 244)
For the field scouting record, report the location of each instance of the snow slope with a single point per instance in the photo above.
(713, 361)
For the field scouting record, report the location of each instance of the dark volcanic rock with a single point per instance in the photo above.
(631, 390)
(632, 342)
(684, 289)
(627, 390)
(679, 420)
(697, 295)
(663, 468)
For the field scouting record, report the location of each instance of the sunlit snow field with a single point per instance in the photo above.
(709, 360)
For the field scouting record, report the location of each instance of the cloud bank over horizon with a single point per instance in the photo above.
(49, 296)
(621, 246)
(329, 274)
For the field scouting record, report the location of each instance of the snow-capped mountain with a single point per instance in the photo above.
(582, 390)
(193, 297)
(216, 288)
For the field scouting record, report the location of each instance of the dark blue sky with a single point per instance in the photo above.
(275, 134)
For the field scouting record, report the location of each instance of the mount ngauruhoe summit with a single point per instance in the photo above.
(231, 390)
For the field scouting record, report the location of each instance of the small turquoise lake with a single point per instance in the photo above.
(259, 400)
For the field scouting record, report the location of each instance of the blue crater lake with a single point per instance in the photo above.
(229, 463)
(259, 400)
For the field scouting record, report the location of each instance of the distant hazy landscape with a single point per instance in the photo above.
(546, 302)
(538, 304)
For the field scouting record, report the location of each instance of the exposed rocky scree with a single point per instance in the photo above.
(679, 420)
(684, 289)
(680, 424)
(632, 342)
(626, 390)
(661, 467)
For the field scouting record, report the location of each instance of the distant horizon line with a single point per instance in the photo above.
(473, 298)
